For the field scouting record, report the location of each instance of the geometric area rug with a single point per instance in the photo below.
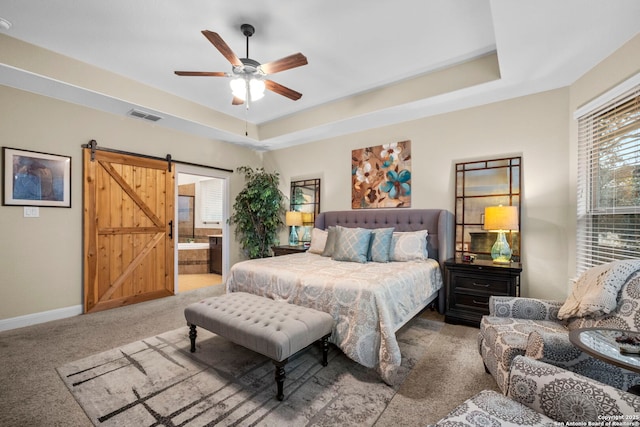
(158, 382)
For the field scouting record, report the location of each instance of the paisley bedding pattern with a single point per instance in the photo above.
(368, 301)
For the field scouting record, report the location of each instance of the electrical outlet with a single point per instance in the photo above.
(31, 212)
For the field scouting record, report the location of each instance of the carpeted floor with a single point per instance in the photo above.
(32, 393)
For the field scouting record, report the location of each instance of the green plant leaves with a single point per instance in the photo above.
(258, 211)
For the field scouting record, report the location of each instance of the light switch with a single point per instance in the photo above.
(31, 212)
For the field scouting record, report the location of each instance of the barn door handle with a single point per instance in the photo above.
(171, 229)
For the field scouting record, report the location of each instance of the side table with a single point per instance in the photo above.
(287, 249)
(601, 344)
(469, 285)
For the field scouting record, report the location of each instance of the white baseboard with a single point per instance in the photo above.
(35, 318)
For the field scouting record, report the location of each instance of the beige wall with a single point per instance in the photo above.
(534, 127)
(41, 258)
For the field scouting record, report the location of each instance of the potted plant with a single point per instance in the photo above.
(258, 211)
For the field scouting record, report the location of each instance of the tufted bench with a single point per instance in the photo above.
(275, 329)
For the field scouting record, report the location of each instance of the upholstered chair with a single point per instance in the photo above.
(540, 394)
(606, 296)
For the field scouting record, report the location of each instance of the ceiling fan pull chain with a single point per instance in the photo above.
(246, 119)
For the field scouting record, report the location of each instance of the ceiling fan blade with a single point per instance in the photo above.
(282, 90)
(202, 73)
(224, 49)
(282, 64)
(237, 101)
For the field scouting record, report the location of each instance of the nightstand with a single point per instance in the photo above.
(287, 249)
(470, 284)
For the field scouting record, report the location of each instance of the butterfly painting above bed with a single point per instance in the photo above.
(381, 176)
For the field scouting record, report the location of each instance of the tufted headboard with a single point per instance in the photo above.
(439, 223)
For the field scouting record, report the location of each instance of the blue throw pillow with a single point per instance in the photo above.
(352, 244)
(380, 246)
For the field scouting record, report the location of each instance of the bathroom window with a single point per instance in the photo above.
(211, 204)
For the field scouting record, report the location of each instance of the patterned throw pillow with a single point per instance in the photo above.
(380, 246)
(408, 246)
(352, 244)
(318, 241)
(596, 291)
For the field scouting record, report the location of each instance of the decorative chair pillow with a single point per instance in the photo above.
(409, 245)
(596, 291)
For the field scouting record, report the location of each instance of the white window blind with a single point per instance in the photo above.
(211, 200)
(608, 226)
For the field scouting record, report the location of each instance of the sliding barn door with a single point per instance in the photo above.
(128, 219)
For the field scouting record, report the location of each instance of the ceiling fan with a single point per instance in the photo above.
(249, 76)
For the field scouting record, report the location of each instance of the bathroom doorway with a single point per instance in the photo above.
(201, 227)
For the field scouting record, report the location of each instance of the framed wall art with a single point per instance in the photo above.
(32, 178)
(381, 176)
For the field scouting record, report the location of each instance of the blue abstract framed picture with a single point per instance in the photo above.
(31, 178)
(381, 176)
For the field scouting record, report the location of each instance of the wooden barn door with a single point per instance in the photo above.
(128, 220)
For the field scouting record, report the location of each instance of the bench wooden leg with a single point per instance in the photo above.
(325, 349)
(192, 337)
(280, 376)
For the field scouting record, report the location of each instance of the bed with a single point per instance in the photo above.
(369, 301)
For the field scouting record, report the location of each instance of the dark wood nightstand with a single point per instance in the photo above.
(287, 249)
(470, 284)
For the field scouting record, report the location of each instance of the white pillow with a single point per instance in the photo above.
(596, 291)
(409, 245)
(318, 241)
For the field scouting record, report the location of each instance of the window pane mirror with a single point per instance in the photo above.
(305, 198)
(482, 184)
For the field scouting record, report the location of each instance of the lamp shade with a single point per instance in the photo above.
(293, 219)
(307, 218)
(501, 218)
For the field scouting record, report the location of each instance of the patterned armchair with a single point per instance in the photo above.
(532, 327)
(540, 394)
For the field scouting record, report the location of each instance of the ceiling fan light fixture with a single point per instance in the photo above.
(240, 86)
(256, 89)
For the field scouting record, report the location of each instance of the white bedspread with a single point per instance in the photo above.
(368, 301)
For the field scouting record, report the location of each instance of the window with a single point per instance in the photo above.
(211, 190)
(608, 226)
